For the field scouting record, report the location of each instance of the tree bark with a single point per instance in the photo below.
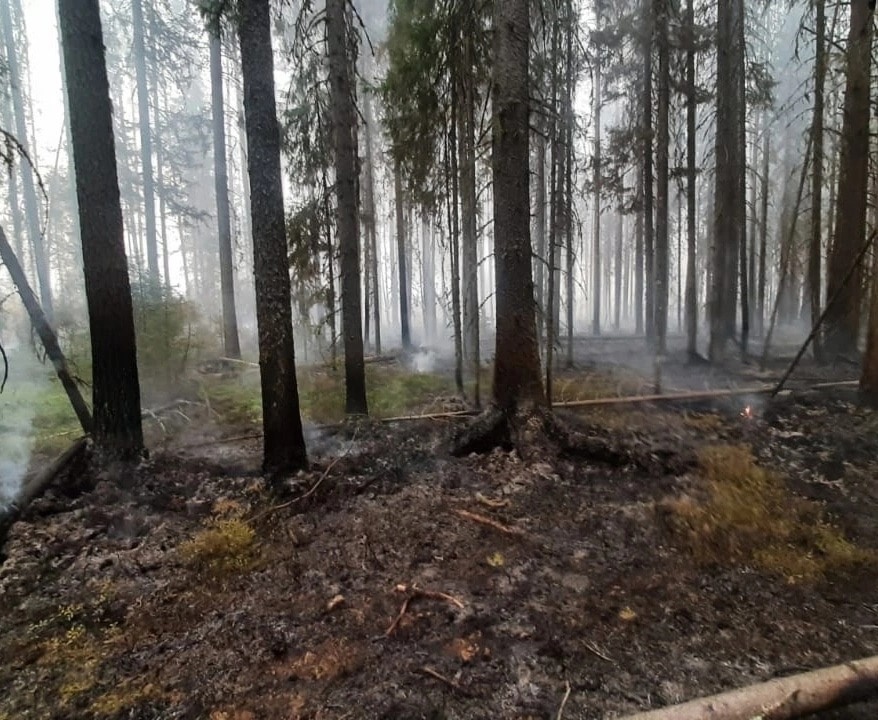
(648, 190)
(517, 361)
(469, 235)
(31, 204)
(117, 426)
(763, 230)
(344, 133)
(729, 210)
(662, 200)
(816, 241)
(691, 174)
(843, 323)
(283, 442)
(782, 698)
(597, 181)
(399, 201)
(221, 184)
(369, 219)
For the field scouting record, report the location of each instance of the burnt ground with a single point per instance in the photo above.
(118, 601)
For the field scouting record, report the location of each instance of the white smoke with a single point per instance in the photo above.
(17, 410)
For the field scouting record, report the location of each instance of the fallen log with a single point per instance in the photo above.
(784, 698)
(35, 485)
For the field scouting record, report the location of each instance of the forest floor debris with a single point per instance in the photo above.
(183, 589)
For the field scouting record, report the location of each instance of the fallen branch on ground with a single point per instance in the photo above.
(415, 593)
(670, 397)
(453, 684)
(482, 520)
(783, 698)
(34, 486)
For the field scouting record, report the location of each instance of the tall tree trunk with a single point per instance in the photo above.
(869, 375)
(369, 219)
(231, 345)
(344, 133)
(569, 120)
(617, 268)
(541, 227)
(815, 245)
(469, 236)
(452, 191)
(555, 201)
(741, 130)
(428, 280)
(648, 190)
(691, 174)
(399, 201)
(517, 360)
(115, 386)
(143, 119)
(283, 441)
(597, 181)
(31, 204)
(843, 319)
(662, 200)
(730, 204)
(638, 255)
(763, 229)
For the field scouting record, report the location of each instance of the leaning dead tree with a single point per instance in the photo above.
(783, 698)
(44, 330)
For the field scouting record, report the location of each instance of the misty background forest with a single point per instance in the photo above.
(400, 358)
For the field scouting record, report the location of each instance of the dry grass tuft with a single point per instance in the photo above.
(225, 546)
(747, 516)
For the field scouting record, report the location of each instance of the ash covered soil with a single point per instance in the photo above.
(393, 580)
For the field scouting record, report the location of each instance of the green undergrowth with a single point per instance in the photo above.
(743, 514)
(390, 391)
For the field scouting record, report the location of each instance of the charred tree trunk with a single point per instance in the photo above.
(729, 210)
(691, 200)
(843, 321)
(344, 133)
(638, 255)
(517, 361)
(597, 181)
(662, 200)
(763, 231)
(117, 426)
(283, 442)
(469, 236)
(815, 248)
(648, 190)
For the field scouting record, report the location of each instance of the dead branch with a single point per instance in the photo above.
(429, 416)
(783, 698)
(416, 593)
(46, 333)
(560, 714)
(238, 361)
(34, 486)
(5, 368)
(670, 397)
(495, 504)
(453, 684)
(489, 522)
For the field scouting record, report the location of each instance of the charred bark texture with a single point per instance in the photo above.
(283, 443)
(115, 386)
